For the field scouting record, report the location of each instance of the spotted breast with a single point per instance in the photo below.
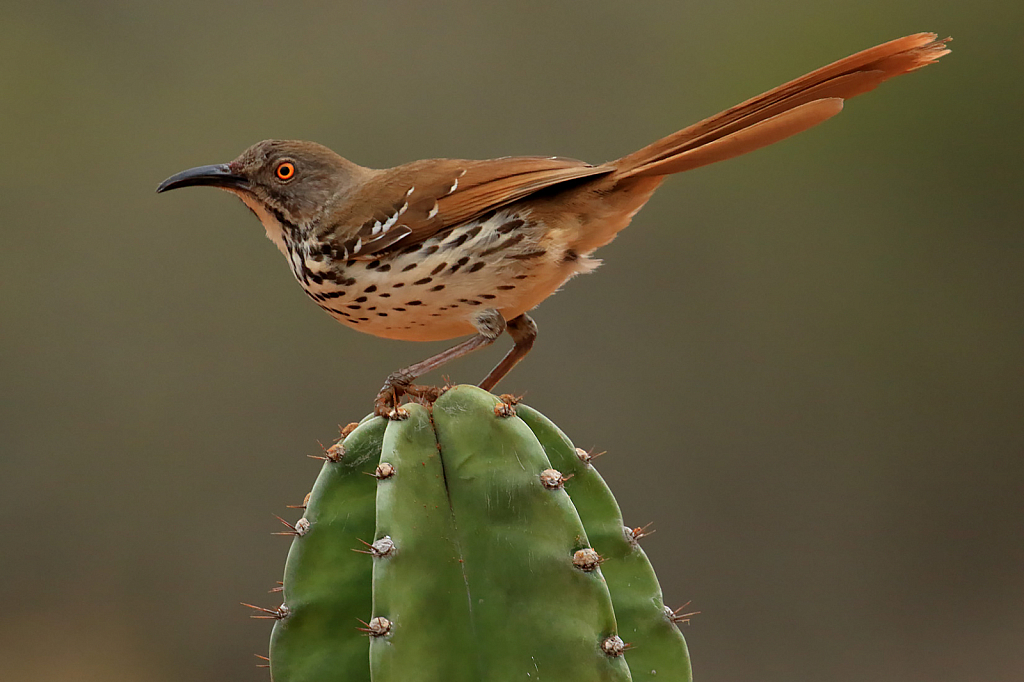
(430, 290)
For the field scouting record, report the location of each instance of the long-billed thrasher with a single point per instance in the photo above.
(443, 248)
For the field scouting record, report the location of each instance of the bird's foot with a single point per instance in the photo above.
(388, 401)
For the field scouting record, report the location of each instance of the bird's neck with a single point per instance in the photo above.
(279, 230)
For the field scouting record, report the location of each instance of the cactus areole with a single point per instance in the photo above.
(469, 542)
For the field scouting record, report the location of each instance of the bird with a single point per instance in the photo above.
(444, 248)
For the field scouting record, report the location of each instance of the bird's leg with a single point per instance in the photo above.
(523, 331)
(489, 325)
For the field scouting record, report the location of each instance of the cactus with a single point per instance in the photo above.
(487, 548)
(326, 585)
(636, 595)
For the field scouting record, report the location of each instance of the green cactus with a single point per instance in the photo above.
(326, 584)
(636, 595)
(487, 549)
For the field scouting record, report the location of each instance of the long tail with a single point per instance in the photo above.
(784, 111)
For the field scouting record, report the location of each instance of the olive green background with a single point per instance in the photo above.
(806, 364)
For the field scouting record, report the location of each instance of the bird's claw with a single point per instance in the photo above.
(388, 401)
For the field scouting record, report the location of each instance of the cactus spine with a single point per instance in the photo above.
(487, 549)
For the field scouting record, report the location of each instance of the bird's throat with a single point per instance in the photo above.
(275, 229)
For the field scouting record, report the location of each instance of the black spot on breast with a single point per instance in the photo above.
(487, 297)
(431, 249)
(414, 302)
(382, 314)
(361, 299)
(398, 285)
(401, 310)
(331, 294)
(370, 289)
(529, 254)
(439, 268)
(354, 307)
(474, 232)
(462, 261)
(411, 249)
(373, 265)
(384, 268)
(409, 267)
(458, 241)
(504, 245)
(315, 278)
(425, 280)
(349, 282)
(510, 225)
(385, 295)
(437, 287)
(521, 276)
(570, 256)
(506, 287)
(476, 266)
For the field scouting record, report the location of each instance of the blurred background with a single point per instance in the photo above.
(805, 364)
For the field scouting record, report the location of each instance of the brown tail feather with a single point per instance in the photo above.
(783, 111)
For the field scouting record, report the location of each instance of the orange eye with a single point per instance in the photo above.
(285, 170)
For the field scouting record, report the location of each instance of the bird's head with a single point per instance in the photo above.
(286, 181)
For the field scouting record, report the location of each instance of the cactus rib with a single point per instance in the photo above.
(326, 584)
(418, 586)
(657, 645)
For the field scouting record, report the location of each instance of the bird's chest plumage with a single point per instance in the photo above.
(432, 290)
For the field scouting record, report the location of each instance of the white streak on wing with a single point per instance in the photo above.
(359, 245)
(433, 211)
(455, 186)
(411, 190)
(382, 228)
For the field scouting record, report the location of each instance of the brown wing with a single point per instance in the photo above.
(408, 204)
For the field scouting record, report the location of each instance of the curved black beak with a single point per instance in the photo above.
(218, 175)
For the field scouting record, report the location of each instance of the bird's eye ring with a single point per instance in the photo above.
(285, 170)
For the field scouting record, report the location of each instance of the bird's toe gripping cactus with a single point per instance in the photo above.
(488, 548)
